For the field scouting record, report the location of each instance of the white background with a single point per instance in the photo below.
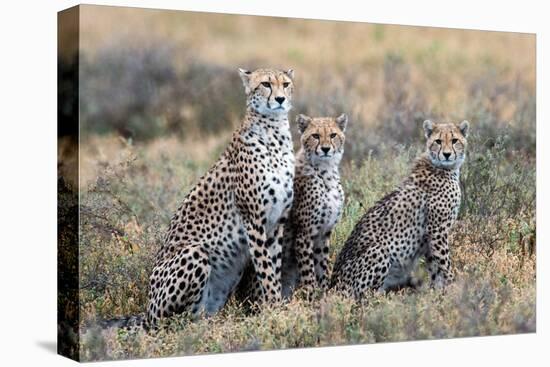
(28, 38)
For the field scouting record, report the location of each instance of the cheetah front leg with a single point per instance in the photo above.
(320, 258)
(305, 260)
(250, 289)
(276, 249)
(438, 258)
(261, 253)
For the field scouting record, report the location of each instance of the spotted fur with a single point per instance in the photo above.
(318, 201)
(235, 213)
(411, 222)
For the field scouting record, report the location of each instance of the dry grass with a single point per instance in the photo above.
(161, 96)
(481, 307)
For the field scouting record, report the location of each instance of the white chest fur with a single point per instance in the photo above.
(276, 158)
(333, 201)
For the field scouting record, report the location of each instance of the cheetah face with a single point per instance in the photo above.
(268, 92)
(446, 143)
(322, 137)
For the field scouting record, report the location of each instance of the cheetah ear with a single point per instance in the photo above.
(245, 77)
(290, 73)
(428, 128)
(342, 121)
(303, 122)
(464, 128)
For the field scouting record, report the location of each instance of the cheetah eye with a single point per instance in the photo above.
(455, 141)
(286, 84)
(266, 84)
(438, 141)
(315, 136)
(333, 135)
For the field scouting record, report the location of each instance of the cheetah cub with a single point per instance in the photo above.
(318, 201)
(411, 222)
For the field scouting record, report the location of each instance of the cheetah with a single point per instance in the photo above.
(318, 201)
(235, 214)
(411, 222)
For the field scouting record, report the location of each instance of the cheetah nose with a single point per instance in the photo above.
(325, 150)
(280, 99)
(447, 155)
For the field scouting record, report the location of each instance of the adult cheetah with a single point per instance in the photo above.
(411, 222)
(235, 213)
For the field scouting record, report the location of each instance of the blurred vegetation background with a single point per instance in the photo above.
(160, 96)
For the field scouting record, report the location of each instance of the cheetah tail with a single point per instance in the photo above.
(132, 322)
